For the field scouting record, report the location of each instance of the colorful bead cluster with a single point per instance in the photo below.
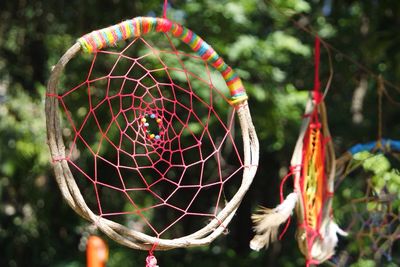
(146, 126)
(97, 40)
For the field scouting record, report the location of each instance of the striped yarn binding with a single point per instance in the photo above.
(136, 27)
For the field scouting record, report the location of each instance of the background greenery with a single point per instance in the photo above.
(273, 57)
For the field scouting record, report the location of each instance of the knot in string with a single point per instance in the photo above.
(151, 261)
(57, 159)
(317, 97)
(315, 125)
(295, 168)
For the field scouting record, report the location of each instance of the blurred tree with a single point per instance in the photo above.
(272, 56)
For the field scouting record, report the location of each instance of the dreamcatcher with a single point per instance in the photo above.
(146, 148)
(373, 206)
(368, 178)
(313, 169)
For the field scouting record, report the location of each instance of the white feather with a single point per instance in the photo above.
(324, 248)
(267, 222)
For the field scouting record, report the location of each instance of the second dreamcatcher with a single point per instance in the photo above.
(313, 170)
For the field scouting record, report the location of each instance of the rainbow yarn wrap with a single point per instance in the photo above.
(139, 26)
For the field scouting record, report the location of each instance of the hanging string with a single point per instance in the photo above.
(317, 84)
(331, 71)
(317, 97)
(293, 170)
(316, 64)
(151, 260)
(165, 9)
(336, 50)
(381, 88)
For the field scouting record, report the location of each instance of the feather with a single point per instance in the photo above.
(267, 222)
(324, 248)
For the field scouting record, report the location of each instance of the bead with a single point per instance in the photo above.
(152, 136)
(158, 121)
(152, 116)
(143, 120)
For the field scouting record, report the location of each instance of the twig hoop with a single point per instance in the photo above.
(64, 177)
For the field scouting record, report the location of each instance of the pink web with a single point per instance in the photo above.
(159, 161)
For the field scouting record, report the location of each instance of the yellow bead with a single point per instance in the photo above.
(143, 120)
(158, 120)
(152, 136)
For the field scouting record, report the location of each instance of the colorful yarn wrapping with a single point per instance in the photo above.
(313, 182)
(315, 193)
(96, 40)
(313, 169)
(317, 232)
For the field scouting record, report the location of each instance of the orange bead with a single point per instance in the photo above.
(97, 252)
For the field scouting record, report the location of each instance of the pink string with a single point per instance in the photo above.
(293, 170)
(282, 184)
(285, 229)
(317, 83)
(317, 95)
(165, 9)
(58, 159)
(141, 165)
(151, 261)
(310, 262)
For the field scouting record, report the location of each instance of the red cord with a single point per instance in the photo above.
(283, 183)
(317, 96)
(151, 260)
(317, 84)
(292, 171)
(285, 229)
(165, 9)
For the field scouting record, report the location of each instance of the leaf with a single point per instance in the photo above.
(378, 164)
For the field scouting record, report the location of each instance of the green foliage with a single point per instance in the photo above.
(364, 263)
(384, 175)
(371, 191)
